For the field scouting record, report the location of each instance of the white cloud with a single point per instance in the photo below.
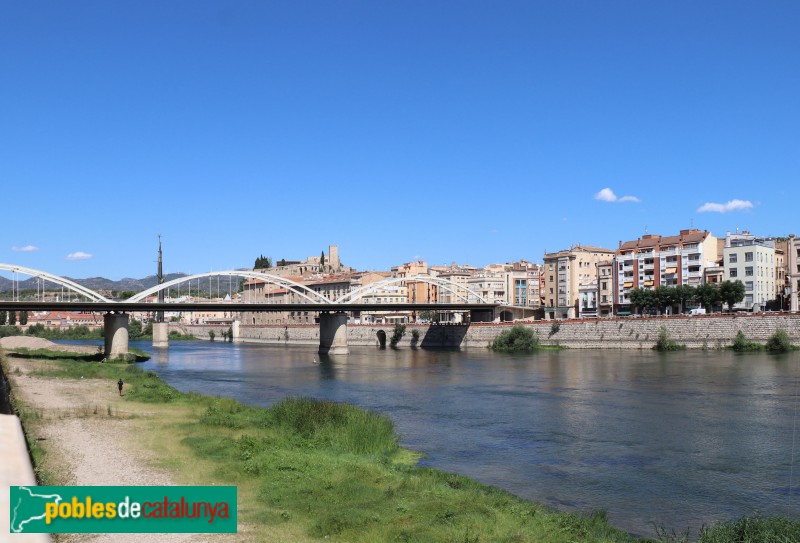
(607, 195)
(732, 205)
(80, 255)
(26, 249)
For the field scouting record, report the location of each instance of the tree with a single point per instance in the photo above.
(2, 318)
(666, 296)
(135, 329)
(12, 318)
(643, 298)
(23, 318)
(322, 260)
(282, 262)
(731, 292)
(262, 262)
(125, 294)
(707, 294)
(684, 293)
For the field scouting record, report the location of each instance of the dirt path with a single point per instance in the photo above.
(85, 446)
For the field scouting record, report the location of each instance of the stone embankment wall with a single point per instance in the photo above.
(712, 331)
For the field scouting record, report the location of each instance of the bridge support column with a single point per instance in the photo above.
(235, 330)
(160, 334)
(116, 334)
(333, 333)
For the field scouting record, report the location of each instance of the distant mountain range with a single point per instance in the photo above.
(97, 283)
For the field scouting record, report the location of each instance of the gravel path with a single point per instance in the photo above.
(95, 450)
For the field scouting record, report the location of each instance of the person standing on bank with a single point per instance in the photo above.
(119, 386)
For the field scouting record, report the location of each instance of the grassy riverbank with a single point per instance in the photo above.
(307, 469)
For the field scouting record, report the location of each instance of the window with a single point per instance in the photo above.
(732, 258)
(748, 285)
(748, 271)
(604, 286)
(734, 272)
(748, 257)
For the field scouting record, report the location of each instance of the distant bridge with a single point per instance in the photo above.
(333, 321)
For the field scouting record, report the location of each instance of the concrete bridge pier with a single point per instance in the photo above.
(160, 334)
(116, 334)
(333, 333)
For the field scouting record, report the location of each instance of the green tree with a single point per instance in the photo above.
(262, 262)
(134, 329)
(322, 260)
(397, 335)
(731, 292)
(2, 318)
(282, 262)
(23, 318)
(684, 293)
(12, 318)
(707, 294)
(642, 298)
(666, 296)
(125, 294)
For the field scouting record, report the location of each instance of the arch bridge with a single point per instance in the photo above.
(333, 320)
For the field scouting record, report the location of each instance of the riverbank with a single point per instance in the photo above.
(302, 475)
(304, 470)
(696, 332)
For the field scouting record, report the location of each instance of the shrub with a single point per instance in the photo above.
(518, 339)
(397, 335)
(742, 344)
(665, 342)
(779, 342)
(554, 328)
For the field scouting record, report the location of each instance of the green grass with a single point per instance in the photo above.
(312, 470)
(47, 354)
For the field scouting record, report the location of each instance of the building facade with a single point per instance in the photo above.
(566, 273)
(751, 260)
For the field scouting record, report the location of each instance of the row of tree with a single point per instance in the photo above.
(264, 262)
(708, 294)
(10, 318)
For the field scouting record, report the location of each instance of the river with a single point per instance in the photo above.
(672, 439)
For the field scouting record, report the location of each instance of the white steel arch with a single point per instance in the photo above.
(71, 285)
(301, 290)
(360, 292)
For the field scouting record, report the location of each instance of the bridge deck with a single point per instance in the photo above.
(126, 307)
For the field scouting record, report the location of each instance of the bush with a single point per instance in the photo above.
(779, 342)
(554, 328)
(397, 335)
(665, 342)
(741, 344)
(518, 339)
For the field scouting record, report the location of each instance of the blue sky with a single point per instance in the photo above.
(449, 131)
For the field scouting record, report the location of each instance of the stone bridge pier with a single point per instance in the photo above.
(333, 333)
(115, 327)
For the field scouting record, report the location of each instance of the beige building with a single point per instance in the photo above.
(310, 266)
(605, 278)
(566, 272)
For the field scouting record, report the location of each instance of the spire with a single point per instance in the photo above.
(160, 314)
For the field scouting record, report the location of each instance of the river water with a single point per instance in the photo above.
(673, 439)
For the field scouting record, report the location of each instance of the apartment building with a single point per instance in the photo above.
(793, 271)
(653, 260)
(566, 272)
(521, 284)
(751, 260)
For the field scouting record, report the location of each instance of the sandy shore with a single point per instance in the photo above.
(86, 446)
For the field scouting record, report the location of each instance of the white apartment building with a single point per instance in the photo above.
(751, 260)
(489, 287)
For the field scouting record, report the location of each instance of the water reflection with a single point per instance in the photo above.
(680, 439)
